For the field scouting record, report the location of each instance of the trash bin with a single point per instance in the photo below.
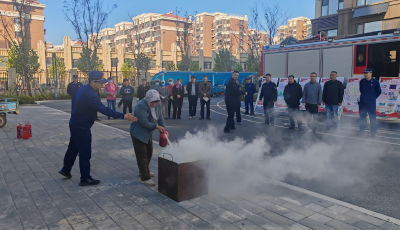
(182, 181)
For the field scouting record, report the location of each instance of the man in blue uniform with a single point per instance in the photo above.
(72, 89)
(83, 114)
(370, 90)
(250, 89)
(232, 92)
(269, 92)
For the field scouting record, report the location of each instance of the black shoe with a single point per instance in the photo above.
(291, 127)
(201, 118)
(233, 129)
(67, 175)
(266, 123)
(229, 131)
(246, 113)
(208, 118)
(90, 181)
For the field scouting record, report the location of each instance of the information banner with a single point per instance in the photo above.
(387, 103)
(322, 83)
(258, 103)
(303, 81)
(280, 103)
(352, 95)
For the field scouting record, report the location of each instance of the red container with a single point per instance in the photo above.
(163, 139)
(30, 129)
(20, 130)
(26, 132)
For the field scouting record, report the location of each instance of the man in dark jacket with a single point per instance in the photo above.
(250, 89)
(72, 89)
(192, 89)
(127, 95)
(178, 91)
(142, 90)
(270, 94)
(205, 91)
(332, 98)
(292, 96)
(231, 101)
(370, 90)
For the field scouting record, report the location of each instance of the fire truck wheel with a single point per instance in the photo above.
(3, 120)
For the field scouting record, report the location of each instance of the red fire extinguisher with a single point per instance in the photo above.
(19, 130)
(26, 132)
(164, 138)
(30, 129)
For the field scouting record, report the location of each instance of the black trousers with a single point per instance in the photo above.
(202, 103)
(313, 111)
(127, 104)
(192, 105)
(177, 108)
(170, 104)
(230, 123)
(120, 102)
(143, 152)
(238, 114)
(294, 114)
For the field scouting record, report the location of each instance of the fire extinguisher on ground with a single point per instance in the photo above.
(30, 129)
(20, 131)
(26, 132)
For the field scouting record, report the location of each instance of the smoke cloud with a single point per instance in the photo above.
(236, 165)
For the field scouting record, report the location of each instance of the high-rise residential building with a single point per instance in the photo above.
(34, 10)
(350, 17)
(298, 28)
(217, 31)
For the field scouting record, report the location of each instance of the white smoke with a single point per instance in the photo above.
(236, 165)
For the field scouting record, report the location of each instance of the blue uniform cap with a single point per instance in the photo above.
(248, 78)
(368, 70)
(74, 76)
(97, 76)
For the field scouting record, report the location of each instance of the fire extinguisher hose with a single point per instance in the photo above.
(165, 135)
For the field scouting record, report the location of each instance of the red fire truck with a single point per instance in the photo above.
(348, 56)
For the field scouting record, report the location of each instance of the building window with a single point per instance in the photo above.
(243, 64)
(178, 43)
(148, 24)
(332, 33)
(178, 33)
(329, 7)
(371, 27)
(147, 34)
(153, 64)
(156, 23)
(18, 34)
(75, 63)
(207, 65)
(165, 63)
(117, 42)
(178, 23)
(113, 62)
(366, 2)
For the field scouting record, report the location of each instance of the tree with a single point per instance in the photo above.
(184, 65)
(88, 18)
(253, 63)
(142, 61)
(274, 16)
(223, 61)
(16, 33)
(238, 67)
(170, 66)
(88, 62)
(128, 70)
(61, 70)
(184, 35)
(194, 67)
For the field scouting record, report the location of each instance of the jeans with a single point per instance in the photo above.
(143, 152)
(192, 105)
(230, 123)
(202, 104)
(294, 114)
(329, 110)
(111, 104)
(248, 100)
(371, 111)
(79, 142)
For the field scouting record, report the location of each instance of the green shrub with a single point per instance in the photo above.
(42, 97)
(64, 96)
(26, 100)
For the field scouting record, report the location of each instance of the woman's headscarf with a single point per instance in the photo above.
(151, 96)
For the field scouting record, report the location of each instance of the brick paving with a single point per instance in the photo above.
(34, 196)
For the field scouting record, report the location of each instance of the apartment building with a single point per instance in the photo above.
(299, 28)
(349, 17)
(10, 12)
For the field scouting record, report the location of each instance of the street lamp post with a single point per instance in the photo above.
(116, 70)
(55, 76)
(161, 51)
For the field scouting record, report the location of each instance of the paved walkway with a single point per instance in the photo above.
(34, 196)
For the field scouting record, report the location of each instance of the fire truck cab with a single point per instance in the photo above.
(349, 57)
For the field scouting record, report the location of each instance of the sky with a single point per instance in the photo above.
(57, 27)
